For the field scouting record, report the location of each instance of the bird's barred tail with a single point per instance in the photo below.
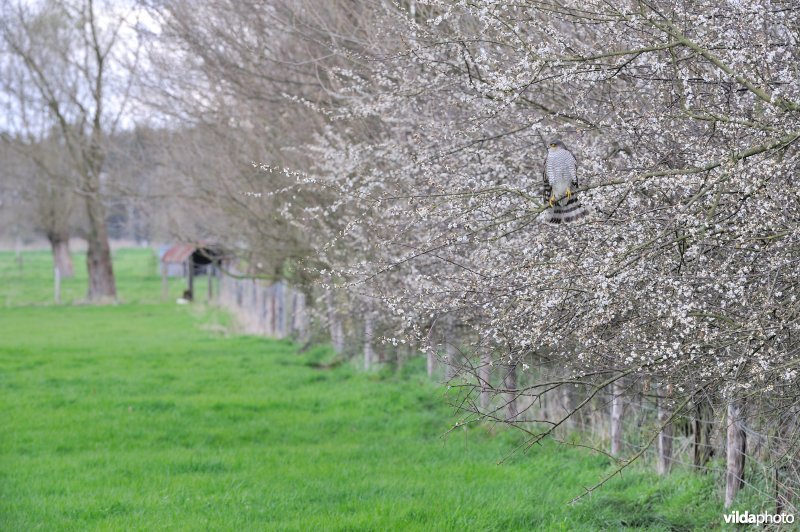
(570, 211)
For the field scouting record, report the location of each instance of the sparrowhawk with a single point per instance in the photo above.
(560, 180)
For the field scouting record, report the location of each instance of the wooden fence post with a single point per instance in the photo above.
(703, 425)
(268, 310)
(451, 354)
(616, 418)
(190, 273)
(566, 406)
(335, 325)
(483, 378)
(736, 446)
(369, 332)
(430, 362)
(510, 384)
(210, 275)
(280, 309)
(57, 283)
(164, 282)
(664, 443)
(300, 318)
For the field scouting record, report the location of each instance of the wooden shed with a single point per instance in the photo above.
(194, 260)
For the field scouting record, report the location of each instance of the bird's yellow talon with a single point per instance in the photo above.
(552, 200)
(569, 193)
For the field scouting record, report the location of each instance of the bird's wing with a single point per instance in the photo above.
(574, 170)
(547, 190)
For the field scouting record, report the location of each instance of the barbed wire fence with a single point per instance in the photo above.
(741, 444)
(276, 310)
(625, 419)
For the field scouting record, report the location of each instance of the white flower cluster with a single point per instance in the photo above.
(686, 270)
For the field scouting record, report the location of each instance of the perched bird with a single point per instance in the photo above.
(560, 181)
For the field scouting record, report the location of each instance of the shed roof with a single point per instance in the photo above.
(178, 253)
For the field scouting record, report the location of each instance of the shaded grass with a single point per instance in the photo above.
(137, 417)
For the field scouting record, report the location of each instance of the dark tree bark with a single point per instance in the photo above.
(703, 418)
(102, 285)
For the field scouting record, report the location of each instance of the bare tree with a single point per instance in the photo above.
(61, 54)
(45, 199)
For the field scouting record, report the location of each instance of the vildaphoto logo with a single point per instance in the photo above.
(746, 518)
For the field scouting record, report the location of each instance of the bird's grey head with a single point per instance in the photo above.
(556, 144)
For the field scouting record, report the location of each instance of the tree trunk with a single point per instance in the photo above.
(664, 443)
(61, 256)
(484, 376)
(736, 447)
(616, 419)
(102, 286)
(510, 384)
(430, 362)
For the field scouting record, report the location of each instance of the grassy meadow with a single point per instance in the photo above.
(153, 416)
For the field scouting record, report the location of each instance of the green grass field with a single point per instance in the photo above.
(147, 416)
(28, 280)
